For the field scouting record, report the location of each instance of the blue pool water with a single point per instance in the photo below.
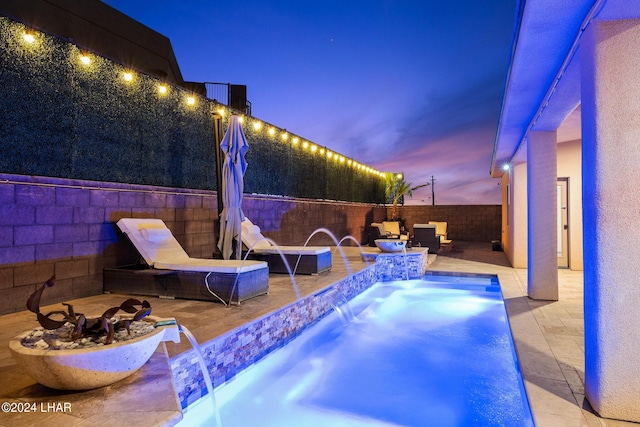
(431, 352)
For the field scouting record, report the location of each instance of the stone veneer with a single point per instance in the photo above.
(232, 352)
(396, 266)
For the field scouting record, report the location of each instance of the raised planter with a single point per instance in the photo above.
(92, 367)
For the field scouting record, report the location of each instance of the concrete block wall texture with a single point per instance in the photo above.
(67, 227)
(473, 223)
(292, 221)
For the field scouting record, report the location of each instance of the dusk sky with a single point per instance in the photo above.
(411, 86)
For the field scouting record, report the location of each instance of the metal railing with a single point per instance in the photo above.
(231, 95)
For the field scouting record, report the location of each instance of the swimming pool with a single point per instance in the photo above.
(430, 352)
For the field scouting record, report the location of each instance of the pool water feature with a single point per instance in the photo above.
(431, 352)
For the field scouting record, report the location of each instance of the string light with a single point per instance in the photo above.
(29, 37)
(85, 59)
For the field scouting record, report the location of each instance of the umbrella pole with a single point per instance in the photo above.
(217, 130)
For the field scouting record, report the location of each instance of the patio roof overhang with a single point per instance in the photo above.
(542, 90)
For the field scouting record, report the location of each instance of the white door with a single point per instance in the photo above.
(563, 223)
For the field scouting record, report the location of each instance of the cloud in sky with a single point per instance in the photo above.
(400, 85)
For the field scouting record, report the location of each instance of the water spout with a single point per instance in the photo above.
(338, 247)
(244, 259)
(284, 260)
(353, 239)
(205, 371)
(339, 304)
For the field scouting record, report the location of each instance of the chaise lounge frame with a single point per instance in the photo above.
(186, 278)
(311, 260)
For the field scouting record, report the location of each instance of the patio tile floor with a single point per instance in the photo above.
(548, 337)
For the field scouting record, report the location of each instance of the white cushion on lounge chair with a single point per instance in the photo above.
(251, 234)
(294, 250)
(252, 238)
(155, 235)
(380, 226)
(393, 228)
(205, 265)
(161, 250)
(441, 230)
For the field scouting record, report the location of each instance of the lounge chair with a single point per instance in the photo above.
(312, 259)
(441, 230)
(424, 235)
(385, 230)
(393, 227)
(171, 272)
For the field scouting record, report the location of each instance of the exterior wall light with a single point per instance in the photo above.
(191, 100)
(163, 89)
(257, 125)
(272, 131)
(127, 76)
(295, 140)
(305, 145)
(284, 136)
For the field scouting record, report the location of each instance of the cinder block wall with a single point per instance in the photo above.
(474, 223)
(67, 227)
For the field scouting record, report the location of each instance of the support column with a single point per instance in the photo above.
(610, 89)
(541, 216)
(519, 214)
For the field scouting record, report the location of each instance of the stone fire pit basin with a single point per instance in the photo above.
(93, 367)
(390, 245)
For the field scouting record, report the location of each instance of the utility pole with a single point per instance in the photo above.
(433, 193)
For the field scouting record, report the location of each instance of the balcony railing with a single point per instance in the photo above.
(234, 96)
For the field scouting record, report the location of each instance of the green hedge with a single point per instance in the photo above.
(61, 118)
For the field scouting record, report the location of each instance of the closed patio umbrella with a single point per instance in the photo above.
(234, 146)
